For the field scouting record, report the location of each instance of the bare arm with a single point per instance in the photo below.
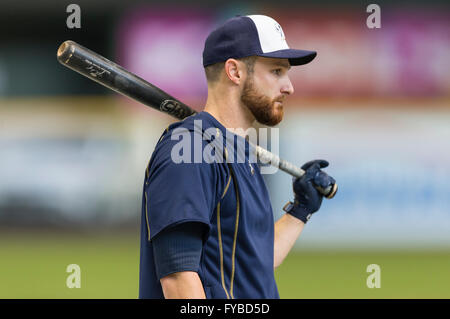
(182, 285)
(287, 229)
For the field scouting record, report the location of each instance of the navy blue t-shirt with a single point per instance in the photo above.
(183, 184)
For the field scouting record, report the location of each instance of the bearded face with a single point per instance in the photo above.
(266, 111)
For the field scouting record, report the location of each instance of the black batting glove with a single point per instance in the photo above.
(308, 199)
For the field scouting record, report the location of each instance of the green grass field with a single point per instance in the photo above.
(34, 266)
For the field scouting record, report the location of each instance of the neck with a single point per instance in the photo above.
(229, 111)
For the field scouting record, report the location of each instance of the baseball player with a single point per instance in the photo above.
(208, 228)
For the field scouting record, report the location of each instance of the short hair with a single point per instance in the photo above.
(213, 71)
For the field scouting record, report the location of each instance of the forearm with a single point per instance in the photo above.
(287, 229)
(182, 285)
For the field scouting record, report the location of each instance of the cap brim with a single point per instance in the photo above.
(296, 57)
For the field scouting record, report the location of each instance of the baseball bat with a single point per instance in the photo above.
(107, 73)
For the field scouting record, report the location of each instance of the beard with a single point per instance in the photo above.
(261, 106)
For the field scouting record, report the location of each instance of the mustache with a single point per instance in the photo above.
(280, 99)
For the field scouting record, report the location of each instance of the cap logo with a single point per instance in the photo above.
(279, 30)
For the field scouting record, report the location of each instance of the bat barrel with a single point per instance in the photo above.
(116, 78)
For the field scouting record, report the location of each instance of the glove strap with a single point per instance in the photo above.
(297, 211)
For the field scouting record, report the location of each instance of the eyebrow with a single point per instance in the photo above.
(285, 65)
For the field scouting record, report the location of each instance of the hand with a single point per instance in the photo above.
(307, 198)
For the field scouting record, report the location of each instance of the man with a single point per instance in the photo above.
(207, 226)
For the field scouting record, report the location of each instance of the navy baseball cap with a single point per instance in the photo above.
(244, 36)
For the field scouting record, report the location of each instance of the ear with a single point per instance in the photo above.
(233, 70)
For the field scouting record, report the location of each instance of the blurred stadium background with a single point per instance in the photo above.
(375, 103)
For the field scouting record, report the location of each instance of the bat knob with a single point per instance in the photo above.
(328, 192)
(332, 191)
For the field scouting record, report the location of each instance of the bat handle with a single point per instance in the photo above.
(295, 171)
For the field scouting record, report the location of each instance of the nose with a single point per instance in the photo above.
(287, 87)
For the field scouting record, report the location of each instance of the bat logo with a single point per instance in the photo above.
(174, 108)
(95, 70)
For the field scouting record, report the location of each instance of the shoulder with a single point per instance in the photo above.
(184, 152)
(191, 141)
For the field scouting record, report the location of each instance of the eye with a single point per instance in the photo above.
(277, 71)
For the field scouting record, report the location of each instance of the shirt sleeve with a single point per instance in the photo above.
(178, 248)
(177, 192)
